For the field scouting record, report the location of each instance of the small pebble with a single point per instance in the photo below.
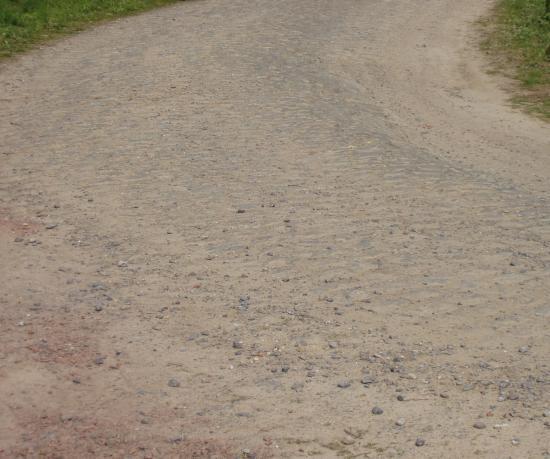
(515, 441)
(377, 410)
(344, 384)
(400, 422)
(366, 380)
(479, 425)
(247, 454)
(401, 398)
(420, 442)
(98, 286)
(523, 349)
(173, 382)
(297, 386)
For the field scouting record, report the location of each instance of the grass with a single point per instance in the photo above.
(519, 39)
(24, 23)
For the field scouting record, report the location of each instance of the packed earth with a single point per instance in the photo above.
(273, 229)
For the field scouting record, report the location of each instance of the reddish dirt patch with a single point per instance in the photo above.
(49, 341)
(14, 225)
(56, 436)
(53, 343)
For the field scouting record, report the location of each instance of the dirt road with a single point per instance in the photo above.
(272, 229)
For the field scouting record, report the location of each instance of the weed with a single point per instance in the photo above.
(520, 39)
(26, 22)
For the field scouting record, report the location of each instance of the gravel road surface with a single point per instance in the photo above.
(272, 229)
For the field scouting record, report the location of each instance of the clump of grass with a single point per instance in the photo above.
(520, 38)
(26, 22)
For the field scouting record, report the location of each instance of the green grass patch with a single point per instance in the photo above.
(26, 22)
(519, 39)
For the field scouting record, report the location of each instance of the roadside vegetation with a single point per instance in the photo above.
(519, 39)
(24, 23)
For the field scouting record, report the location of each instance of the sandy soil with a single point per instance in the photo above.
(272, 229)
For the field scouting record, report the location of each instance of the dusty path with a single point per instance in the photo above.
(260, 203)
